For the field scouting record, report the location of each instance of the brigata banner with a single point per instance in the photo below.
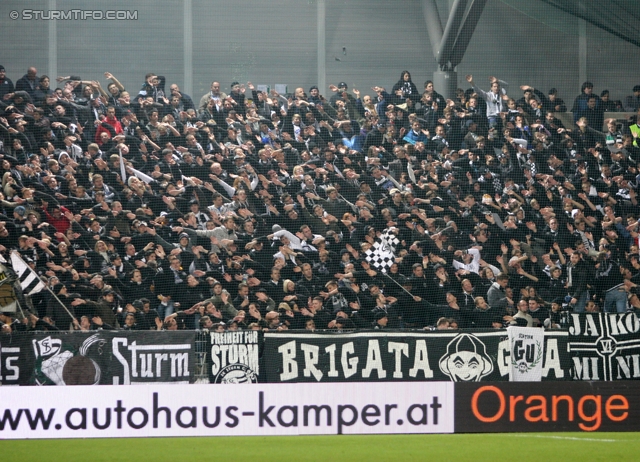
(99, 357)
(456, 356)
(235, 356)
(605, 346)
(546, 407)
(247, 409)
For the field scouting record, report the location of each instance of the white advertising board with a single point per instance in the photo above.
(152, 410)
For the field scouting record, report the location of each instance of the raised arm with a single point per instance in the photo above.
(116, 82)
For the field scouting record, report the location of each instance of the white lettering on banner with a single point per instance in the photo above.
(331, 351)
(155, 410)
(289, 364)
(421, 361)
(504, 356)
(399, 349)
(587, 369)
(552, 359)
(589, 327)
(349, 362)
(374, 361)
(628, 366)
(626, 323)
(145, 365)
(605, 346)
(234, 357)
(349, 365)
(526, 352)
(621, 324)
(9, 357)
(311, 356)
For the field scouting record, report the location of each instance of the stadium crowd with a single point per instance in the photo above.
(148, 209)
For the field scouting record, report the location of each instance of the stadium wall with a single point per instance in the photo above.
(367, 43)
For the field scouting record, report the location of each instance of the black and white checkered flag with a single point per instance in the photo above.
(382, 254)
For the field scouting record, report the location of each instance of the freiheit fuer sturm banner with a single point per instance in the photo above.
(97, 358)
(397, 356)
(234, 356)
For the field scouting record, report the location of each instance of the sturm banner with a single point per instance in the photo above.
(396, 356)
(235, 357)
(605, 346)
(100, 357)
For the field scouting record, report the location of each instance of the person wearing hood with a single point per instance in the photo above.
(405, 89)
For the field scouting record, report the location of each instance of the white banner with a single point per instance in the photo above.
(229, 410)
(527, 354)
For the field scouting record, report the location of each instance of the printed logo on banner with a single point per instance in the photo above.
(526, 356)
(234, 357)
(466, 359)
(236, 373)
(605, 346)
(62, 364)
(527, 353)
(105, 357)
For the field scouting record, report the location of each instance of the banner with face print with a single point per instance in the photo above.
(457, 356)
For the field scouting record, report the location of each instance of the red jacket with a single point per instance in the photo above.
(114, 123)
(60, 224)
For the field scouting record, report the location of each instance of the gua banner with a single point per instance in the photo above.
(97, 358)
(527, 352)
(458, 356)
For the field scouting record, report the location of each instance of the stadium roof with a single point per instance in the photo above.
(618, 17)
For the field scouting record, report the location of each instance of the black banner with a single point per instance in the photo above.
(545, 407)
(235, 356)
(439, 356)
(605, 346)
(99, 357)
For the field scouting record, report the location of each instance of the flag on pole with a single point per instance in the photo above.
(382, 254)
(29, 279)
(123, 171)
(142, 176)
(7, 294)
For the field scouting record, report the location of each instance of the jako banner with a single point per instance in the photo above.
(605, 346)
